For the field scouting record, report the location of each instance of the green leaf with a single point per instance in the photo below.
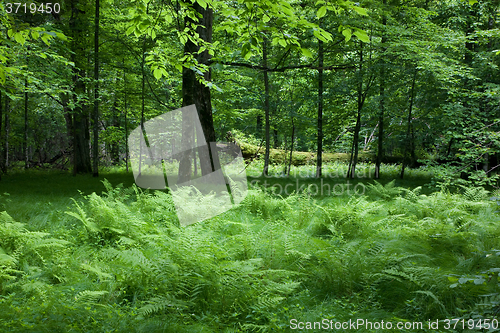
(266, 19)
(2, 75)
(347, 34)
(248, 55)
(306, 52)
(472, 2)
(61, 36)
(322, 35)
(153, 34)
(362, 35)
(35, 34)
(19, 38)
(360, 11)
(287, 11)
(282, 42)
(321, 12)
(202, 3)
(130, 30)
(178, 67)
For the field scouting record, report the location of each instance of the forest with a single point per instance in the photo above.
(250, 166)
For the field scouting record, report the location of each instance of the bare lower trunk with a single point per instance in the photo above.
(26, 160)
(95, 144)
(291, 149)
(319, 157)
(408, 131)
(266, 108)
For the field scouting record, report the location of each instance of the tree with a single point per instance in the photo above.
(95, 118)
(78, 24)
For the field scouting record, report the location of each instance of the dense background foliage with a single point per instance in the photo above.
(408, 82)
(314, 92)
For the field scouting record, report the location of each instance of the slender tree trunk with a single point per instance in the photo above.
(266, 107)
(143, 101)
(2, 165)
(126, 120)
(95, 145)
(380, 148)
(258, 126)
(26, 160)
(291, 149)
(408, 131)
(319, 157)
(357, 128)
(6, 138)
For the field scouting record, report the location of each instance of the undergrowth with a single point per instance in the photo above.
(120, 262)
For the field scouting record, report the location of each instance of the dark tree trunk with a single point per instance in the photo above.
(380, 148)
(115, 147)
(2, 166)
(275, 139)
(125, 116)
(258, 127)
(95, 144)
(319, 157)
(357, 128)
(6, 137)
(26, 160)
(408, 131)
(143, 98)
(80, 115)
(291, 149)
(194, 92)
(266, 107)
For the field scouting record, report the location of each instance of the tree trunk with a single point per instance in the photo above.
(2, 166)
(95, 144)
(80, 115)
(6, 138)
(26, 160)
(125, 116)
(380, 148)
(258, 126)
(197, 93)
(266, 107)
(408, 131)
(319, 157)
(291, 149)
(357, 128)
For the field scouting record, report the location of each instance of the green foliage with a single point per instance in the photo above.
(120, 261)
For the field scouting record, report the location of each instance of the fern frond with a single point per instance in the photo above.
(90, 296)
(161, 303)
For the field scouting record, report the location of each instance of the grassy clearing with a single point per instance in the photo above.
(119, 262)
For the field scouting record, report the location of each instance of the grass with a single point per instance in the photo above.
(117, 261)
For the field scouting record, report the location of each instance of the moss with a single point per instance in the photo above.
(280, 156)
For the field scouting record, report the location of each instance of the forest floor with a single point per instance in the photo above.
(402, 252)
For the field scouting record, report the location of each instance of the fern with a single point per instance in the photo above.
(385, 192)
(90, 296)
(161, 303)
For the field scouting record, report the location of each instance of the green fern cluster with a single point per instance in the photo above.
(121, 262)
